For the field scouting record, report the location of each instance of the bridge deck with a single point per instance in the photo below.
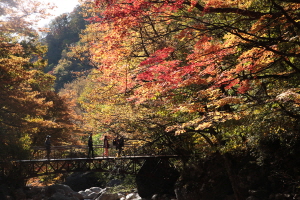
(99, 158)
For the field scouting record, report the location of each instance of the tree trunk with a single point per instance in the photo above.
(233, 178)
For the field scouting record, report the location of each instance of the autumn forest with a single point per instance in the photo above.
(210, 78)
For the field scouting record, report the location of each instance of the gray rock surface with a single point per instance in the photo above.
(53, 192)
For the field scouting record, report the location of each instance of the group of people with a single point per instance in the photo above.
(118, 142)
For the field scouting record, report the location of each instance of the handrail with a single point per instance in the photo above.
(80, 151)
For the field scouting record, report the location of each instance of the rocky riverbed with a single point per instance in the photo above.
(64, 192)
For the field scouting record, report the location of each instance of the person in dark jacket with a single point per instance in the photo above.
(90, 145)
(48, 146)
(105, 146)
(120, 145)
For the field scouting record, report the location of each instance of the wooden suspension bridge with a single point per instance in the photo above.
(73, 158)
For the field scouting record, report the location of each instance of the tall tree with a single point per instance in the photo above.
(29, 109)
(231, 66)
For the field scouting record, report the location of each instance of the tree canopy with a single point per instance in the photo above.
(223, 73)
(29, 108)
(220, 63)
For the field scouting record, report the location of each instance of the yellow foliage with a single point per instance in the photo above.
(228, 100)
(290, 95)
(242, 4)
(203, 126)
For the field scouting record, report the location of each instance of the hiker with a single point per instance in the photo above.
(105, 146)
(120, 145)
(90, 144)
(115, 142)
(48, 146)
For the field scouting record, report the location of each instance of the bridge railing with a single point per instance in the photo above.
(81, 151)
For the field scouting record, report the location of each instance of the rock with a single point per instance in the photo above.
(133, 196)
(80, 181)
(77, 195)
(83, 193)
(103, 194)
(107, 196)
(60, 196)
(19, 194)
(156, 177)
(162, 197)
(206, 181)
(96, 195)
(130, 196)
(252, 198)
(53, 192)
(96, 189)
(36, 193)
(63, 189)
(91, 195)
(120, 196)
(88, 191)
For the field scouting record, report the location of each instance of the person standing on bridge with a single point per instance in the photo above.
(120, 145)
(90, 144)
(48, 146)
(105, 146)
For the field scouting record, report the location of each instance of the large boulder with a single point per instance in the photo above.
(53, 192)
(156, 177)
(60, 196)
(205, 180)
(62, 189)
(80, 181)
(36, 193)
